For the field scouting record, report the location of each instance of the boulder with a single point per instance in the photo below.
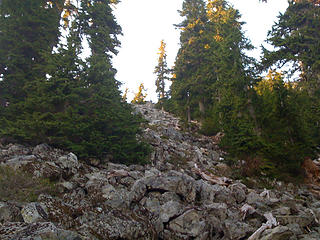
(9, 213)
(114, 198)
(238, 191)
(169, 210)
(34, 212)
(190, 224)
(36, 231)
(69, 162)
(236, 230)
(181, 184)
(277, 233)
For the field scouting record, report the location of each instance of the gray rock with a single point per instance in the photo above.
(69, 161)
(9, 213)
(152, 172)
(35, 231)
(236, 230)
(190, 224)
(113, 166)
(255, 200)
(68, 185)
(153, 206)
(114, 198)
(295, 228)
(218, 210)
(41, 149)
(20, 161)
(114, 225)
(238, 191)
(181, 184)
(277, 233)
(16, 149)
(169, 196)
(282, 211)
(169, 210)
(34, 212)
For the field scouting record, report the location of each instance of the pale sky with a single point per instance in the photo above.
(146, 22)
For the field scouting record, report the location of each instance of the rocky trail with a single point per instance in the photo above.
(186, 192)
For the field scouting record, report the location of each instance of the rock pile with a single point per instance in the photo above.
(177, 196)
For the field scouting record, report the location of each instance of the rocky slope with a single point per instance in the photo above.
(184, 193)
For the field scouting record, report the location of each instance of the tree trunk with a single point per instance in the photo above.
(188, 114)
(253, 116)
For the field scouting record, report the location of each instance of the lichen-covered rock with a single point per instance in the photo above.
(69, 162)
(34, 212)
(36, 231)
(169, 210)
(236, 230)
(277, 233)
(9, 213)
(114, 225)
(181, 194)
(238, 191)
(190, 224)
(181, 184)
(114, 198)
(218, 210)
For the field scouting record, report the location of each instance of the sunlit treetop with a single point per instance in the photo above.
(268, 83)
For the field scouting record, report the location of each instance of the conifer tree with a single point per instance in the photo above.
(77, 105)
(27, 29)
(125, 95)
(296, 38)
(108, 126)
(162, 71)
(189, 85)
(231, 91)
(282, 112)
(140, 96)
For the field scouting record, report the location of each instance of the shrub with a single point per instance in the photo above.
(16, 185)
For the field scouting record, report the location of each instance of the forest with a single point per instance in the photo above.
(49, 93)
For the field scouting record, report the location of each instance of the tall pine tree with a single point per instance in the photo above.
(77, 105)
(162, 71)
(190, 79)
(27, 29)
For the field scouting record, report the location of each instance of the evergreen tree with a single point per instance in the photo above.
(189, 84)
(108, 126)
(286, 134)
(296, 38)
(27, 29)
(77, 105)
(140, 96)
(125, 95)
(162, 71)
(212, 68)
(230, 109)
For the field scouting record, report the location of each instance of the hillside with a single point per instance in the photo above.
(185, 192)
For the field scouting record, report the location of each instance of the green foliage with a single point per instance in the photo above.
(27, 29)
(23, 187)
(296, 38)
(260, 118)
(289, 112)
(190, 80)
(162, 71)
(140, 96)
(73, 104)
(286, 134)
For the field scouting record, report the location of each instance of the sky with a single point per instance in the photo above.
(146, 22)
